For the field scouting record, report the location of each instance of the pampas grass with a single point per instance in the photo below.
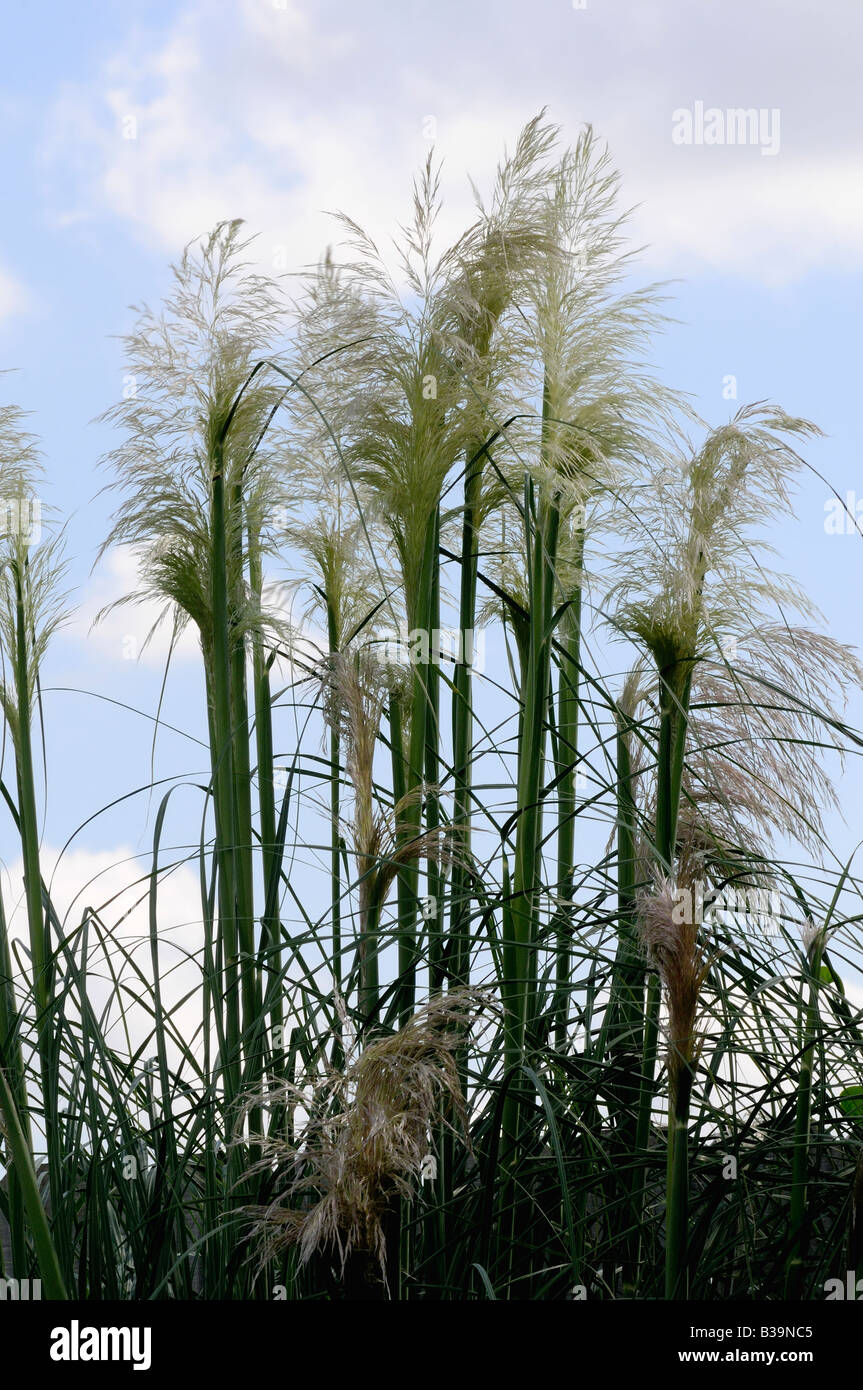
(473, 436)
(367, 1138)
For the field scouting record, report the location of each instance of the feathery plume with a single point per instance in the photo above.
(367, 1135)
(672, 947)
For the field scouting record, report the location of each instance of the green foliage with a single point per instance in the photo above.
(445, 1034)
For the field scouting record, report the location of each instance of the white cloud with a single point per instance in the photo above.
(180, 138)
(731, 219)
(113, 883)
(111, 887)
(14, 298)
(279, 113)
(121, 635)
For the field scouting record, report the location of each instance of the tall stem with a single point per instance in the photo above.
(420, 609)
(675, 688)
(399, 776)
(223, 779)
(567, 740)
(802, 1122)
(677, 1190)
(242, 802)
(462, 724)
(627, 1008)
(270, 924)
(37, 921)
(519, 985)
(10, 1051)
(433, 907)
(335, 806)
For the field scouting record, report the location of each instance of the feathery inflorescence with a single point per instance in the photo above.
(669, 934)
(367, 1134)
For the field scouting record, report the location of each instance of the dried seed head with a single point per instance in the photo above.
(671, 944)
(367, 1137)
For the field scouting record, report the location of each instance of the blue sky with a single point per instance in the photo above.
(277, 112)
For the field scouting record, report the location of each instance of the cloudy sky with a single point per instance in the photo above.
(126, 129)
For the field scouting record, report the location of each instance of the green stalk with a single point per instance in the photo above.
(627, 990)
(567, 738)
(224, 964)
(371, 902)
(460, 874)
(242, 810)
(223, 780)
(270, 924)
(40, 945)
(677, 1191)
(520, 916)
(627, 1008)
(462, 724)
(335, 799)
(369, 948)
(519, 986)
(419, 620)
(399, 769)
(398, 760)
(675, 687)
(802, 1123)
(433, 912)
(10, 1047)
(667, 790)
(46, 1254)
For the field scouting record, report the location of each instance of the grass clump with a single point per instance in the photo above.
(390, 836)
